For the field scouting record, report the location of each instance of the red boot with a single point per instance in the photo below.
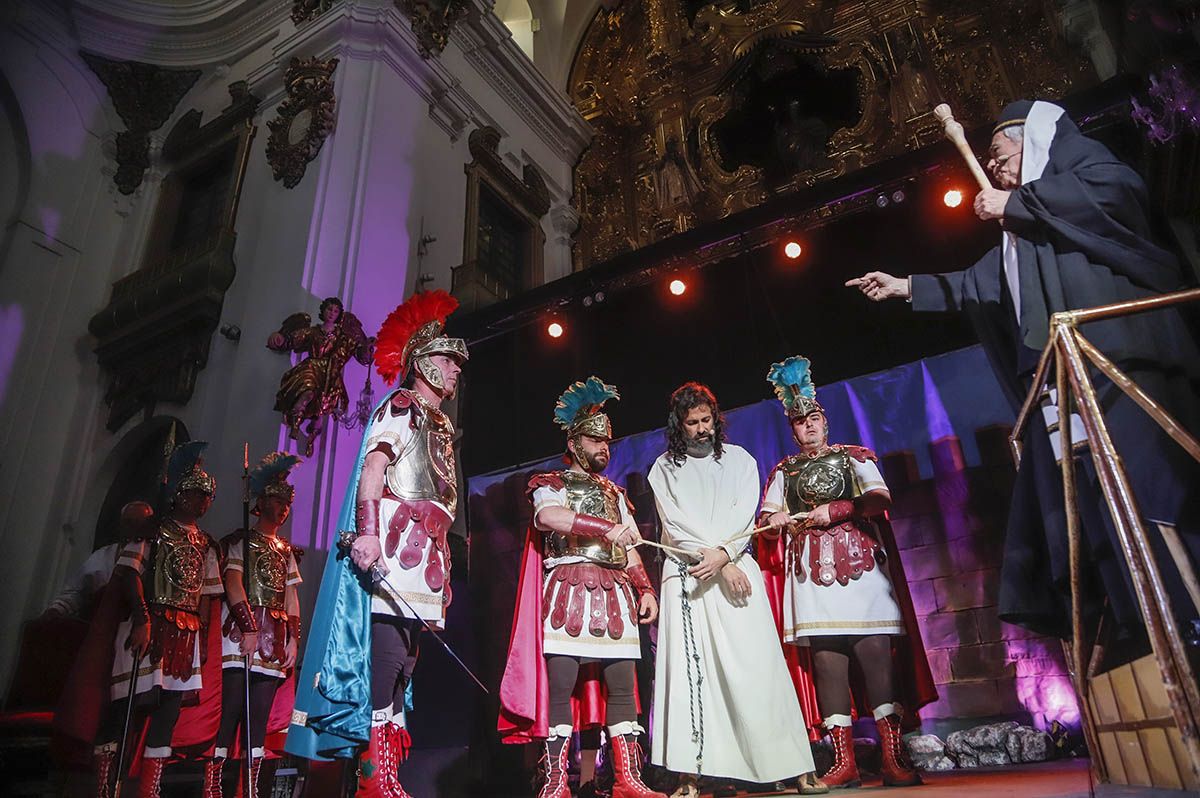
(554, 767)
(897, 770)
(150, 785)
(844, 772)
(105, 758)
(377, 764)
(212, 777)
(627, 769)
(255, 766)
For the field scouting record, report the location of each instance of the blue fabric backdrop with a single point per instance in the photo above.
(901, 409)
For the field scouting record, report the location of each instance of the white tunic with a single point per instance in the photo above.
(557, 641)
(753, 728)
(133, 555)
(863, 606)
(404, 592)
(231, 653)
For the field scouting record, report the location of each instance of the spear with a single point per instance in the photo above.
(248, 658)
(163, 499)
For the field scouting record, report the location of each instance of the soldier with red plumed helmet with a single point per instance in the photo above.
(393, 574)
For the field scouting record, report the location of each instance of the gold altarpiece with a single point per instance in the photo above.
(660, 80)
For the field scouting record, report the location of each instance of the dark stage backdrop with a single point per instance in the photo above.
(940, 427)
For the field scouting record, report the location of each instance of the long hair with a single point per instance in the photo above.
(688, 396)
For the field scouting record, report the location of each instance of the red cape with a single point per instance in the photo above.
(525, 687)
(85, 697)
(913, 679)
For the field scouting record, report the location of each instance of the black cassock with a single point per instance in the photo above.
(1084, 239)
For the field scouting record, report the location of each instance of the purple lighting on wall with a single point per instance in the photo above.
(12, 323)
(1172, 105)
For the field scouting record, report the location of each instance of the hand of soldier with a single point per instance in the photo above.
(737, 581)
(289, 654)
(819, 517)
(248, 644)
(139, 637)
(779, 521)
(878, 286)
(367, 552)
(647, 608)
(711, 562)
(624, 535)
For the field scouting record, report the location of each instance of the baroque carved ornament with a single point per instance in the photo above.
(144, 96)
(705, 109)
(432, 21)
(304, 10)
(304, 119)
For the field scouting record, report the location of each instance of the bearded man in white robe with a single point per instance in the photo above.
(724, 705)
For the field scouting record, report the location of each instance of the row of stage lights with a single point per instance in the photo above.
(791, 250)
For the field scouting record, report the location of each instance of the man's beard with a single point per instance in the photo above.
(592, 463)
(700, 446)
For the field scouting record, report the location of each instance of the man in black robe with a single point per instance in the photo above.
(1076, 234)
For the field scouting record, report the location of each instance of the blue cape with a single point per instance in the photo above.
(332, 715)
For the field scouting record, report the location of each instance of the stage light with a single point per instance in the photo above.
(881, 201)
(587, 301)
(953, 198)
(678, 287)
(792, 249)
(554, 329)
(898, 196)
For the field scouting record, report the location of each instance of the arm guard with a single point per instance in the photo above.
(640, 580)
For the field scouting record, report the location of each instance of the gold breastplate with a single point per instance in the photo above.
(593, 495)
(424, 469)
(179, 565)
(268, 570)
(810, 482)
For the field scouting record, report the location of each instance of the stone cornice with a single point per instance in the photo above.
(373, 29)
(489, 47)
(178, 32)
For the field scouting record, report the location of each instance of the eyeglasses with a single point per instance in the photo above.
(999, 161)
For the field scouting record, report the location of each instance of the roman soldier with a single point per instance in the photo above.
(843, 593)
(583, 593)
(167, 580)
(392, 575)
(260, 619)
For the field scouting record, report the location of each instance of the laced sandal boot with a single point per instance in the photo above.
(150, 785)
(212, 777)
(105, 759)
(627, 775)
(554, 769)
(897, 770)
(844, 773)
(377, 765)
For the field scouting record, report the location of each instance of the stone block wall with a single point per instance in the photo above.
(950, 530)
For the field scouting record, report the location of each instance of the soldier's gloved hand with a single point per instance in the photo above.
(366, 552)
(139, 637)
(248, 644)
(624, 535)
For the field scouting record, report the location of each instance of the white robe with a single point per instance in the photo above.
(752, 725)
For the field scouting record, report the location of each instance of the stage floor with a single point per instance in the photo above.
(1065, 779)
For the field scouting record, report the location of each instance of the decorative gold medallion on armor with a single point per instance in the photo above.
(813, 482)
(589, 494)
(178, 567)
(268, 568)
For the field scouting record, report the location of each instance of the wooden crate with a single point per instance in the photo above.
(1139, 741)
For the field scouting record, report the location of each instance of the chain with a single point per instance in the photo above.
(691, 656)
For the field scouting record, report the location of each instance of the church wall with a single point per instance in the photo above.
(392, 167)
